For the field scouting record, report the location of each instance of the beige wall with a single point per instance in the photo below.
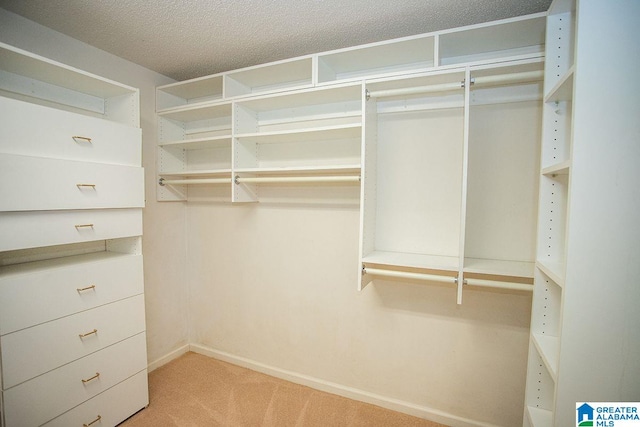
(273, 285)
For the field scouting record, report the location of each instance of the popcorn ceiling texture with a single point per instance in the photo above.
(183, 39)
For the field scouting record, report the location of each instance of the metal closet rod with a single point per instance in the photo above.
(407, 275)
(522, 77)
(296, 179)
(498, 284)
(164, 182)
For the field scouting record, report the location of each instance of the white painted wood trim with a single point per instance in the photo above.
(168, 357)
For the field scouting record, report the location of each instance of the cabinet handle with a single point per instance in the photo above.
(80, 186)
(84, 225)
(95, 331)
(96, 376)
(88, 288)
(92, 422)
(81, 138)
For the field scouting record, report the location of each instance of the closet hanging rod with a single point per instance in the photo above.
(164, 182)
(408, 275)
(295, 179)
(499, 285)
(523, 77)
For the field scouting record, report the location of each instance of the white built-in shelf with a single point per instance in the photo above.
(194, 91)
(561, 168)
(196, 112)
(268, 78)
(539, 417)
(346, 131)
(548, 347)
(199, 143)
(563, 90)
(36, 79)
(411, 260)
(211, 173)
(404, 55)
(302, 170)
(522, 269)
(524, 38)
(553, 269)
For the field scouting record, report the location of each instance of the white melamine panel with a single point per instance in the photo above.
(515, 38)
(502, 188)
(390, 57)
(111, 406)
(273, 77)
(50, 133)
(194, 91)
(22, 230)
(60, 339)
(76, 283)
(33, 183)
(43, 398)
(419, 181)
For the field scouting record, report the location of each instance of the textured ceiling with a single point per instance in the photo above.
(183, 39)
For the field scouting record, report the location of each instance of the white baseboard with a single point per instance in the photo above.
(341, 390)
(168, 358)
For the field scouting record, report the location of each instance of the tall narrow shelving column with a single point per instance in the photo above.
(585, 345)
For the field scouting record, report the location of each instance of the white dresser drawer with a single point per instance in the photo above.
(21, 230)
(35, 183)
(49, 132)
(69, 338)
(76, 284)
(110, 407)
(43, 398)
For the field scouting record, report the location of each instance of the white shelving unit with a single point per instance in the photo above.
(71, 247)
(587, 180)
(447, 190)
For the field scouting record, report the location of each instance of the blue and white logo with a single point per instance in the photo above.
(608, 414)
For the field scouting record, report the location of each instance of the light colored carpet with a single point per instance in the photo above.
(198, 391)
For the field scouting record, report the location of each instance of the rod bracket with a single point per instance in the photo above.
(367, 94)
(161, 182)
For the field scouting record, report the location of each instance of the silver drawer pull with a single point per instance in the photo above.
(84, 225)
(88, 288)
(77, 138)
(95, 377)
(81, 186)
(95, 331)
(92, 422)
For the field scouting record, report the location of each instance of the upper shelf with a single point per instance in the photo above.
(40, 80)
(506, 40)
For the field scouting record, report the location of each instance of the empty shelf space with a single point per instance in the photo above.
(195, 91)
(411, 260)
(523, 269)
(512, 38)
(401, 55)
(199, 143)
(347, 131)
(277, 76)
(196, 112)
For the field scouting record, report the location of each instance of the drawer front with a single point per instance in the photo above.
(42, 348)
(21, 230)
(109, 408)
(89, 281)
(45, 397)
(34, 183)
(49, 132)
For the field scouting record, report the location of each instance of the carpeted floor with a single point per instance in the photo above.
(198, 391)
